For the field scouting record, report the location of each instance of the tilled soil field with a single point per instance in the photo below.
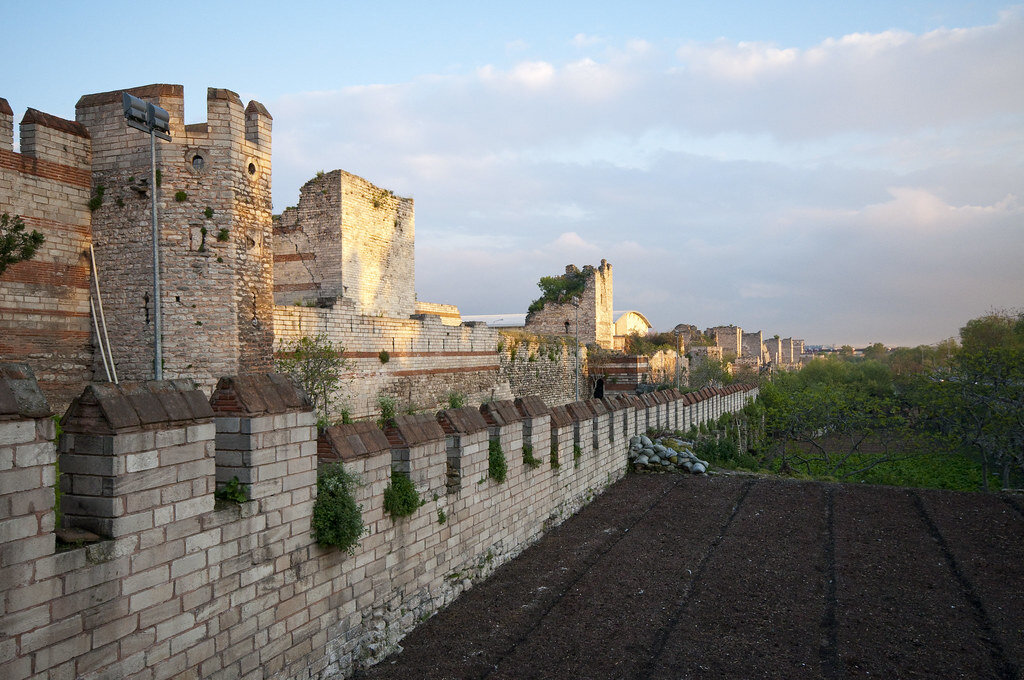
(670, 576)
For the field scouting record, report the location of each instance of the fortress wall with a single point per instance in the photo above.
(426, 359)
(542, 365)
(181, 585)
(44, 302)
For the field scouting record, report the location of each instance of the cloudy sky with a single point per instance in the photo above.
(838, 174)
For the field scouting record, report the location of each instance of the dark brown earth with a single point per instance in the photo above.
(667, 576)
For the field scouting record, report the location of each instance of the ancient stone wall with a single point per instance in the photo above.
(544, 366)
(171, 583)
(347, 238)
(753, 346)
(44, 302)
(419, 361)
(214, 207)
(596, 322)
(729, 338)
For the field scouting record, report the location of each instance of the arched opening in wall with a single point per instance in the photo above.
(599, 389)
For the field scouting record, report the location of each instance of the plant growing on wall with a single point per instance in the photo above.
(577, 453)
(400, 497)
(233, 492)
(317, 364)
(97, 198)
(497, 467)
(15, 244)
(180, 196)
(559, 289)
(528, 459)
(337, 520)
(554, 457)
(384, 356)
(456, 399)
(388, 409)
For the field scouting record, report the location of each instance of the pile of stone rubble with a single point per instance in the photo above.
(664, 453)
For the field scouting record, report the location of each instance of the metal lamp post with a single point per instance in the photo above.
(576, 303)
(156, 121)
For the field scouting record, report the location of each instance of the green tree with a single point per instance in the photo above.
(836, 418)
(16, 245)
(318, 365)
(560, 289)
(708, 372)
(978, 400)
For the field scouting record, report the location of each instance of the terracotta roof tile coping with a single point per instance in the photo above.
(414, 429)
(502, 412)
(105, 408)
(351, 441)
(257, 394)
(560, 417)
(20, 394)
(465, 420)
(531, 406)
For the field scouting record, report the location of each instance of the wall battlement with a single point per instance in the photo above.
(181, 585)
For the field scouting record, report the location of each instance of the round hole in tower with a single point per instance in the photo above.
(198, 162)
(252, 168)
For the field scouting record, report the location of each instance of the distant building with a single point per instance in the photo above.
(627, 323)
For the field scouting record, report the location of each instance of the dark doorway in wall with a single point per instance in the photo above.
(599, 389)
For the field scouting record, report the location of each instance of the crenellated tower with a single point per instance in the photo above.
(214, 200)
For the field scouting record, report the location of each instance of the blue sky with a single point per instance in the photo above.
(838, 172)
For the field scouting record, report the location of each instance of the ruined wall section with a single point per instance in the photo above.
(214, 207)
(44, 302)
(729, 338)
(347, 238)
(596, 319)
(542, 365)
(418, 361)
(307, 244)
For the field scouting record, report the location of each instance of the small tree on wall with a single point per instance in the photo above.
(15, 244)
(318, 365)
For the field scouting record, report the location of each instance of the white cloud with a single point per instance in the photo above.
(582, 40)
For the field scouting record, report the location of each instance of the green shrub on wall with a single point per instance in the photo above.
(497, 467)
(528, 458)
(400, 497)
(337, 519)
(554, 456)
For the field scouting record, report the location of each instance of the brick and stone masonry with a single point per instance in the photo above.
(178, 585)
(44, 302)
(596, 322)
(214, 207)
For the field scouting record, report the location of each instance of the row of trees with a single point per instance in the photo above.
(843, 417)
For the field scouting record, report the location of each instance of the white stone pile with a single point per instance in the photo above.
(664, 453)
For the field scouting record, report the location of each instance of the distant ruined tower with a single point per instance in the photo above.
(596, 322)
(214, 204)
(729, 338)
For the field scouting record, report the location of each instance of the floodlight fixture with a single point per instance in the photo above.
(147, 117)
(150, 118)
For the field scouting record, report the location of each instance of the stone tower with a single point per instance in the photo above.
(597, 324)
(213, 195)
(347, 240)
